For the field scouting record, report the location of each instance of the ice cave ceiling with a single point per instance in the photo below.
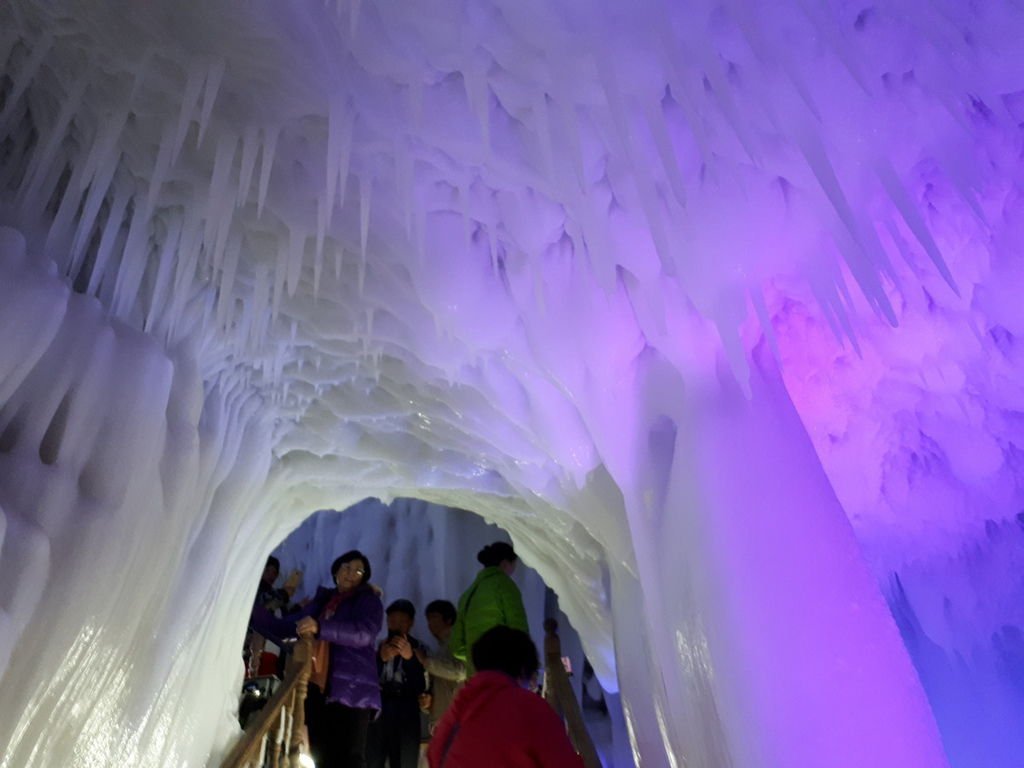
(483, 247)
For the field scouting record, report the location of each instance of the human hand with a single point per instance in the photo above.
(307, 626)
(388, 651)
(403, 646)
(292, 582)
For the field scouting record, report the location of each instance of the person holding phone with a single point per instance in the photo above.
(395, 737)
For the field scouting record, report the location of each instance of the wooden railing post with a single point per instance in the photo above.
(301, 658)
(276, 735)
(559, 694)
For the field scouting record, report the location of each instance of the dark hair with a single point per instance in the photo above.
(402, 606)
(494, 554)
(273, 561)
(348, 557)
(508, 650)
(444, 609)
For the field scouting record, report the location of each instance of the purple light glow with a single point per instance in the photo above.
(713, 306)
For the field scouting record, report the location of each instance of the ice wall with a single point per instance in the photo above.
(122, 485)
(501, 256)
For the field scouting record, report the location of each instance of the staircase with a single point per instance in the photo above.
(276, 736)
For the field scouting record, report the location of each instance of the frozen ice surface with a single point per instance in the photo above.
(714, 307)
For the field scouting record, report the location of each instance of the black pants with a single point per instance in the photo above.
(337, 734)
(394, 738)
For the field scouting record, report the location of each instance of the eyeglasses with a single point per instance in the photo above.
(350, 568)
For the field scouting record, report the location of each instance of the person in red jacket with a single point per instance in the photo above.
(495, 720)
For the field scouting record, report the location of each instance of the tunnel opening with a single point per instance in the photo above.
(422, 554)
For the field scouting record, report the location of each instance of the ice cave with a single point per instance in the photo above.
(713, 306)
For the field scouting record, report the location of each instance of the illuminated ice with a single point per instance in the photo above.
(713, 306)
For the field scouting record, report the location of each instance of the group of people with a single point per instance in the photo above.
(477, 686)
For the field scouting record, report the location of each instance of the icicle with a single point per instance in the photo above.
(280, 272)
(296, 254)
(105, 153)
(404, 183)
(134, 259)
(567, 121)
(260, 306)
(832, 35)
(270, 135)
(111, 229)
(365, 191)
(912, 216)
(49, 187)
(857, 258)
(361, 274)
(226, 296)
(752, 26)
(22, 78)
(761, 310)
(420, 227)
(667, 153)
(219, 204)
(595, 243)
(188, 259)
(69, 207)
(952, 166)
(161, 165)
(318, 249)
(831, 309)
(618, 110)
(250, 149)
(43, 156)
(478, 96)
(194, 80)
(214, 77)
(728, 333)
(467, 221)
(340, 127)
(492, 251)
(141, 70)
(165, 264)
(542, 128)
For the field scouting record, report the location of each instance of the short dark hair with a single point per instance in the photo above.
(444, 609)
(508, 650)
(496, 553)
(348, 557)
(273, 561)
(401, 605)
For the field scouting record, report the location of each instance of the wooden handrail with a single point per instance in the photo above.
(276, 736)
(559, 694)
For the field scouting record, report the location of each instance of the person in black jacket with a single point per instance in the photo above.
(395, 737)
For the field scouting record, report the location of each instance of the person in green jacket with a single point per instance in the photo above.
(492, 600)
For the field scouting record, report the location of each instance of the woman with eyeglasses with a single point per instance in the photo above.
(344, 694)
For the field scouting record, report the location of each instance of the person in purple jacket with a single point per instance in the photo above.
(349, 618)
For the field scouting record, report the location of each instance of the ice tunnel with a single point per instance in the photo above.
(713, 306)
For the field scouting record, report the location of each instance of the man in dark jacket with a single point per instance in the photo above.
(395, 737)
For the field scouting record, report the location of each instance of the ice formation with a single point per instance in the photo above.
(621, 277)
